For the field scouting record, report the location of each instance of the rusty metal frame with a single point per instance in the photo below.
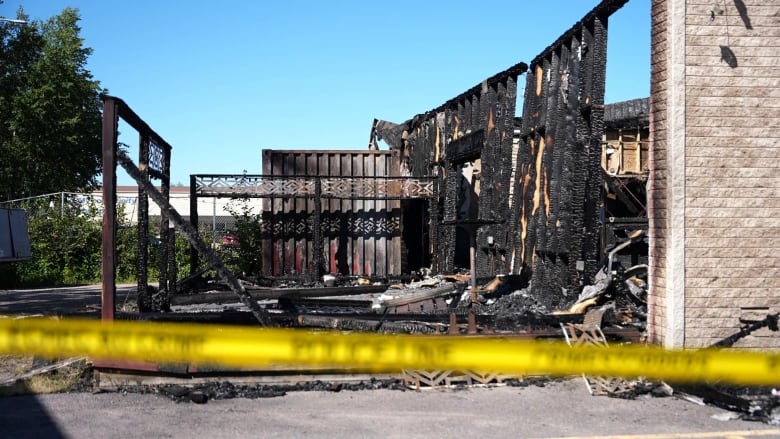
(155, 161)
(191, 235)
(155, 164)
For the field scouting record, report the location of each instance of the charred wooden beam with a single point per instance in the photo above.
(555, 244)
(603, 10)
(596, 37)
(468, 147)
(276, 293)
(339, 304)
(422, 294)
(354, 324)
(391, 133)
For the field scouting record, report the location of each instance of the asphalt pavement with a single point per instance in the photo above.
(61, 301)
(559, 409)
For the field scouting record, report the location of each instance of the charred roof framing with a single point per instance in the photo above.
(477, 125)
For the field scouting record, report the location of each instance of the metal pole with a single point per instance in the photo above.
(317, 269)
(473, 279)
(108, 250)
(194, 222)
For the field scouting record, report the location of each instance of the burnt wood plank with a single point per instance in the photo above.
(371, 227)
(359, 218)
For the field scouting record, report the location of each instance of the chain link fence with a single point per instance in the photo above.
(65, 233)
(216, 216)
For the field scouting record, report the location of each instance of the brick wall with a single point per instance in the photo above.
(732, 108)
(657, 179)
(715, 182)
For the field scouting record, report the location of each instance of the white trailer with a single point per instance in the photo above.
(14, 237)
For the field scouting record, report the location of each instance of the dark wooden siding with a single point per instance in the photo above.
(359, 236)
(559, 175)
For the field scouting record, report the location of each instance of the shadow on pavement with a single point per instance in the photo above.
(24, 416)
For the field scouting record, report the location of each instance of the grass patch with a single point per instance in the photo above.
(70, 377)
(12, 365)
(56, 381)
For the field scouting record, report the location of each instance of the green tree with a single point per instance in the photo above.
(50, 108)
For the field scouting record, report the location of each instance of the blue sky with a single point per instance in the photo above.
(220, 81)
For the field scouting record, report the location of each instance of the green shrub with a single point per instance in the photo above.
(65, 244)
(247, 258)
(65, 239)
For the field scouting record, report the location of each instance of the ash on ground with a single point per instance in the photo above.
(225, 390)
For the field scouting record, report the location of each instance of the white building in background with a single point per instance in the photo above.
(213, 213)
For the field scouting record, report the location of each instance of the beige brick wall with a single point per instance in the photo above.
(657, 183)
(732, 212)
(730, 142)
(666, 207)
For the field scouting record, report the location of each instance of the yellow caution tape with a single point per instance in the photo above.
(257, 347)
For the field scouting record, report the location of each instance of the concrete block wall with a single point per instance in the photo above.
(658, 181)
(715, 209)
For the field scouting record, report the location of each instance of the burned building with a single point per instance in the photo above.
(625, 158)
(468, 185)
(506, 194)
(525, 206)
(465, 146)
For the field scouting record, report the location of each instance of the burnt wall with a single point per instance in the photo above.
(360, 235)
(553, 174)
(475, 128)
(558, 177)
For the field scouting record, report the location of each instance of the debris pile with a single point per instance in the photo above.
(441, 304)
(761, 404)
(200, 394)
(610, 308)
